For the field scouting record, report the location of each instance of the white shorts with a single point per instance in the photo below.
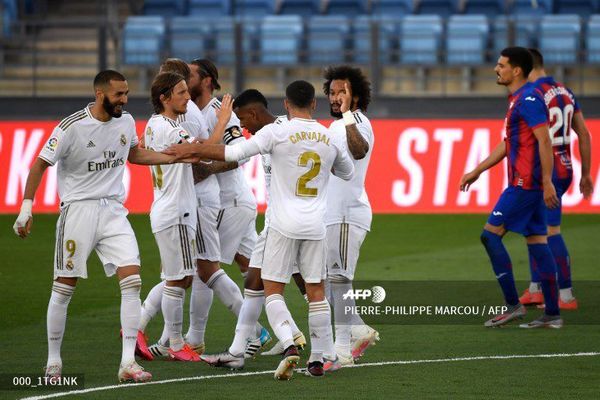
(343, 249)
(257, 258)
(237, 232)
(88, 225)
(177, 248)
(207, 236)
(281, 252)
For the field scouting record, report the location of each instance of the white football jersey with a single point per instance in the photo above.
(91, 155)
(266, 163)
(348, 201)
(234, 188)
(207, 190)
(302, 156)
(174, 196)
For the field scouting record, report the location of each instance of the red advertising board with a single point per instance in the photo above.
(415, 168)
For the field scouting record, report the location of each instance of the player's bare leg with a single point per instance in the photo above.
(130, 283)
(62, 291)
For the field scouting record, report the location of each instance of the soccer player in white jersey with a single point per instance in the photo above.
(207, 237)
(173, 215)
(349, 212)
(251, 108)
(236, 221)
(303, 153)
(90, 148)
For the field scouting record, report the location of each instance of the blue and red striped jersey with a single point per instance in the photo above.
(526, 112)
(562, 105)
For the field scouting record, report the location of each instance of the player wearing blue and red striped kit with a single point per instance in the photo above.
(565, 115)
(522, 206)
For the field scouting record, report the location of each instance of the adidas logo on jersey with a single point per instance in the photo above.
(90, 144)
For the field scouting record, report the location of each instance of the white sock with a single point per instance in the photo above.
(247, 320)
(535, 287)
(319, 325)
(151, 305)
(566, 295)
(200, 302)
(172, 309)
(131, 309)
(56, 319)
(279, 318)
(343, 320)
(226, 290)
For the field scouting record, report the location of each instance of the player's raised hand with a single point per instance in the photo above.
(586, 186)
(22, 226)
(345, 98)
(550, 197)
(224, 113)
(467, 180)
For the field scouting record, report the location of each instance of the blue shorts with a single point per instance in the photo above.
(521, 211)
(554, 215)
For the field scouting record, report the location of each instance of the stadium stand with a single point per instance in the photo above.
(420, 39)
(489, 8)
(466, 39)
(350, 8)
(559, 38)
(304, 8)
(143, 38)
(388, 33)
(165, 8)
(254, 8)
(209, 7)
(280, 39)
(225, 39)
(443, 8)
(395, 8)
(593, 40)
(583, 8)
(528, 7)
(327, 39)
(190, 37)
(9, 14)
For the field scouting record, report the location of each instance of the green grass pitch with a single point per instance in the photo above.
(400, 247)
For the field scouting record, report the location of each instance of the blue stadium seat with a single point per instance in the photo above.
(143, 39)
(444, 8)
(593, 40)
(466, 39)
(396, 8)
(349, 8)
(499, 34)
(280, 39)
(190, 37)
(388, 38)
(326, 39)
(255, 8)
(528, 7)
(9, 14)
(207, 8)
(420, 39)
(526, 30)
(584, 8)
(225, 38)
(305, 8)
(559, 38)
(489, 8)
(165, 8)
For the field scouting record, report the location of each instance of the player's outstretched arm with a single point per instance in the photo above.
(22, 226)
(141, 156)
(547, 160)
(223, 117)
(357, 145)
(203, 170)
(586, 185)
(494, 158)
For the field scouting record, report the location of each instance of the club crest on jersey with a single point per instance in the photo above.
(183, 134)
(52, 143)
(123, 140)
(70, 265)
(149, 132)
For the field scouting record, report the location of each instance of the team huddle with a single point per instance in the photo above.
(318, 213)
(204, 213)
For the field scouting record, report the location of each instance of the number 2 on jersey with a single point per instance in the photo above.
(562, 125)
(301, 189)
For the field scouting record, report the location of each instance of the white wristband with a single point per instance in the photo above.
(348, 118)
(26, 206)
